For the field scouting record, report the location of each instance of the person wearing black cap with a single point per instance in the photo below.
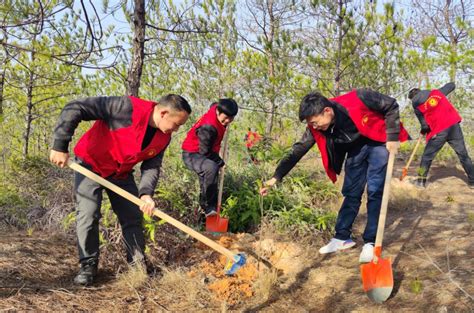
(201, 150)
(440, 122)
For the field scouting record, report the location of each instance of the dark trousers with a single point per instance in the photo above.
(365, 165)
(453, 135)
(89, 198)
(207, 171)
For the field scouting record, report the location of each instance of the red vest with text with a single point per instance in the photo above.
(116, 152)
(369, 123)
(439, 113)
(191, 143)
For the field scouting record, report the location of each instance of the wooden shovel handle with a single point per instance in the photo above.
(222, 171)
(413, 153)
(385, 197)
(188, 230)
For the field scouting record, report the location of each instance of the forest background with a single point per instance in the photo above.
(266, 54)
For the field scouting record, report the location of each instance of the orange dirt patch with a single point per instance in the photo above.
(231, 289)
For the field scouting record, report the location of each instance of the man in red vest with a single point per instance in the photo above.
(360, 127)
(201, 150)
(127, 131)
(440, 122)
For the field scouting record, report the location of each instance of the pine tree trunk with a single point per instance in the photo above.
(452, 43)
(271, 69)
(138, 49)
(337, 75)
(2, 84)
(29, 110)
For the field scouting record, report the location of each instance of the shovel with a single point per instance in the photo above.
(405, 169)
(216, 223)
(235, 261)
(377, 276)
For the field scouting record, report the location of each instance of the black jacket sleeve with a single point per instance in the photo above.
(88, 109)
(385, 105)
(150, 170)
(421, 98)
(448, 88)
(207, 135)
(298, 150)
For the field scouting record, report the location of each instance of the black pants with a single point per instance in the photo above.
(89, 198)
(453, 135)
(207, 171)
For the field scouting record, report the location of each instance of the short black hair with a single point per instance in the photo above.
(412, 93)
(227, 106)
(175, 102)
(313, 104)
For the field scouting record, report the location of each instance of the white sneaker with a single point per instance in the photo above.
(211, 212)
(336, 245)
(367, 254)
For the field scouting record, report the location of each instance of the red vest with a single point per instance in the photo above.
(369, 123)
(116, 152)
(439, 113)
(191, 143)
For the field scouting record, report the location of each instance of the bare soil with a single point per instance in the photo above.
(428, 238)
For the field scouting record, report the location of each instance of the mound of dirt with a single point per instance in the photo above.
(231, 289)
(287, 258)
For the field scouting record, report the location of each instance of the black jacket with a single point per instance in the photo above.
(343, 136)
(207, 135)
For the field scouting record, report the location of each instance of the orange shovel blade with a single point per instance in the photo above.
(377, 279)
(404, 173)
(217, 224)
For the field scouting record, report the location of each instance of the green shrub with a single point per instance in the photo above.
(304, 219)
(296, 202)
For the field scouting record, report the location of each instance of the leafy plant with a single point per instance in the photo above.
(416, 286)
(304, 219)
(449, 198)
(150, 224)
(293, 204)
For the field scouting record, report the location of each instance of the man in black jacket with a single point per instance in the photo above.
(362, 125)
(440, 122)
(127, 130)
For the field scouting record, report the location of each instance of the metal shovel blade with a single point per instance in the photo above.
(217, 224)
(377, 279)
(404, 173)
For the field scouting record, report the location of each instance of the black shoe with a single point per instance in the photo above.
(152, 271)
(420, 182)
(86, 274)
(471, 185)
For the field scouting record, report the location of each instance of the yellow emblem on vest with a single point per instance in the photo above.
(365, 119)
(151, 153)
(433, 101)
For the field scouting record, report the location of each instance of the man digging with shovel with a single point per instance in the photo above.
(364, 125)
(201, 150)
(127, 131)
(440, 121)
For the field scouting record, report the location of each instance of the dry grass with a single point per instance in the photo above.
(404, 195)
(265, 283)
(178, 283)
(185, 292)
(135, 277)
